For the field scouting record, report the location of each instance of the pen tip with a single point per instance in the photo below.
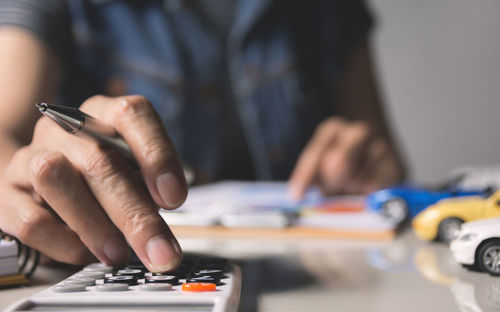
(42, 107)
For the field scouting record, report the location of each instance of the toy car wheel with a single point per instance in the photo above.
(449, 229)
(488, 258)
(395, 209)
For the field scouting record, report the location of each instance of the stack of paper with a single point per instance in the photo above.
(8, 258)
(264, 209)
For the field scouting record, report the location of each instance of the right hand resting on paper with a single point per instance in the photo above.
(72, 200)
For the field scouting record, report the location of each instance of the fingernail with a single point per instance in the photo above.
(172, 190)
(163, 254)
(116, 251)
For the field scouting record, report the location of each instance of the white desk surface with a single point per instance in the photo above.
(401, 275)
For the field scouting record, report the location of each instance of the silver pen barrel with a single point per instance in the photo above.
(77, 122)
(106, 135)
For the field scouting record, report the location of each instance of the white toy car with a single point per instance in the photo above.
(478, 245)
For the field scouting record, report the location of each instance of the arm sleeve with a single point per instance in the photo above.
(47, 19)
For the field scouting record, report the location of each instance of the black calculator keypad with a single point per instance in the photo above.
(191, 270)
(197, 284)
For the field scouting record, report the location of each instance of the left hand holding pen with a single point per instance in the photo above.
(345, 157)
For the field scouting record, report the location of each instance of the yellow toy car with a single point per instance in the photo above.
(442, 220)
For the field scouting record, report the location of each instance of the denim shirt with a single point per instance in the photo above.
(283, 58)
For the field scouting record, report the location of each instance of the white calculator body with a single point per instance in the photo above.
(206, 285)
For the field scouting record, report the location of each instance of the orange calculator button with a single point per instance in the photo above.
(198, 287)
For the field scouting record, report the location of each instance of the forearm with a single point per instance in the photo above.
(29, 72)
(358, 95)
(359, 98)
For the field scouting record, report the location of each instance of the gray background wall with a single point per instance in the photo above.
(439, 68)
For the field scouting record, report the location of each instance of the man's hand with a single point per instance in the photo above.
(72, 199)
(345, 157)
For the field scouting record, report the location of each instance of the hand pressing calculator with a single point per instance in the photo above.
(199, 284)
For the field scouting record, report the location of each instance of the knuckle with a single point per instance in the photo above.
(133, 220)
(98, 164)
(48, 167)
(134, 104)
(155, 153)
(137, 221)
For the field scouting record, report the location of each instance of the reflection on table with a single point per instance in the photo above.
(335, 275)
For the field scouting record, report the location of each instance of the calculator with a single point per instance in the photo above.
(199, 284)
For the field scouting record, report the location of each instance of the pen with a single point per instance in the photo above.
(74, 121)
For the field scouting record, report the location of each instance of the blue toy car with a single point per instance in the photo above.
(403, 202)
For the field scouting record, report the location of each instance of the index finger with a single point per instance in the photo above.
(132, 210)
(306, 169)
(135, 119)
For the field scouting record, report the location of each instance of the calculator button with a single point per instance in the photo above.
(199, 287)
(203, 279)
(135, 267)
(98, 267)
(155, 287)
(171, 279)
(128, 279)
(79, 281)
(65, 288)
(96, 275)
(132, 272)
(112, 287)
